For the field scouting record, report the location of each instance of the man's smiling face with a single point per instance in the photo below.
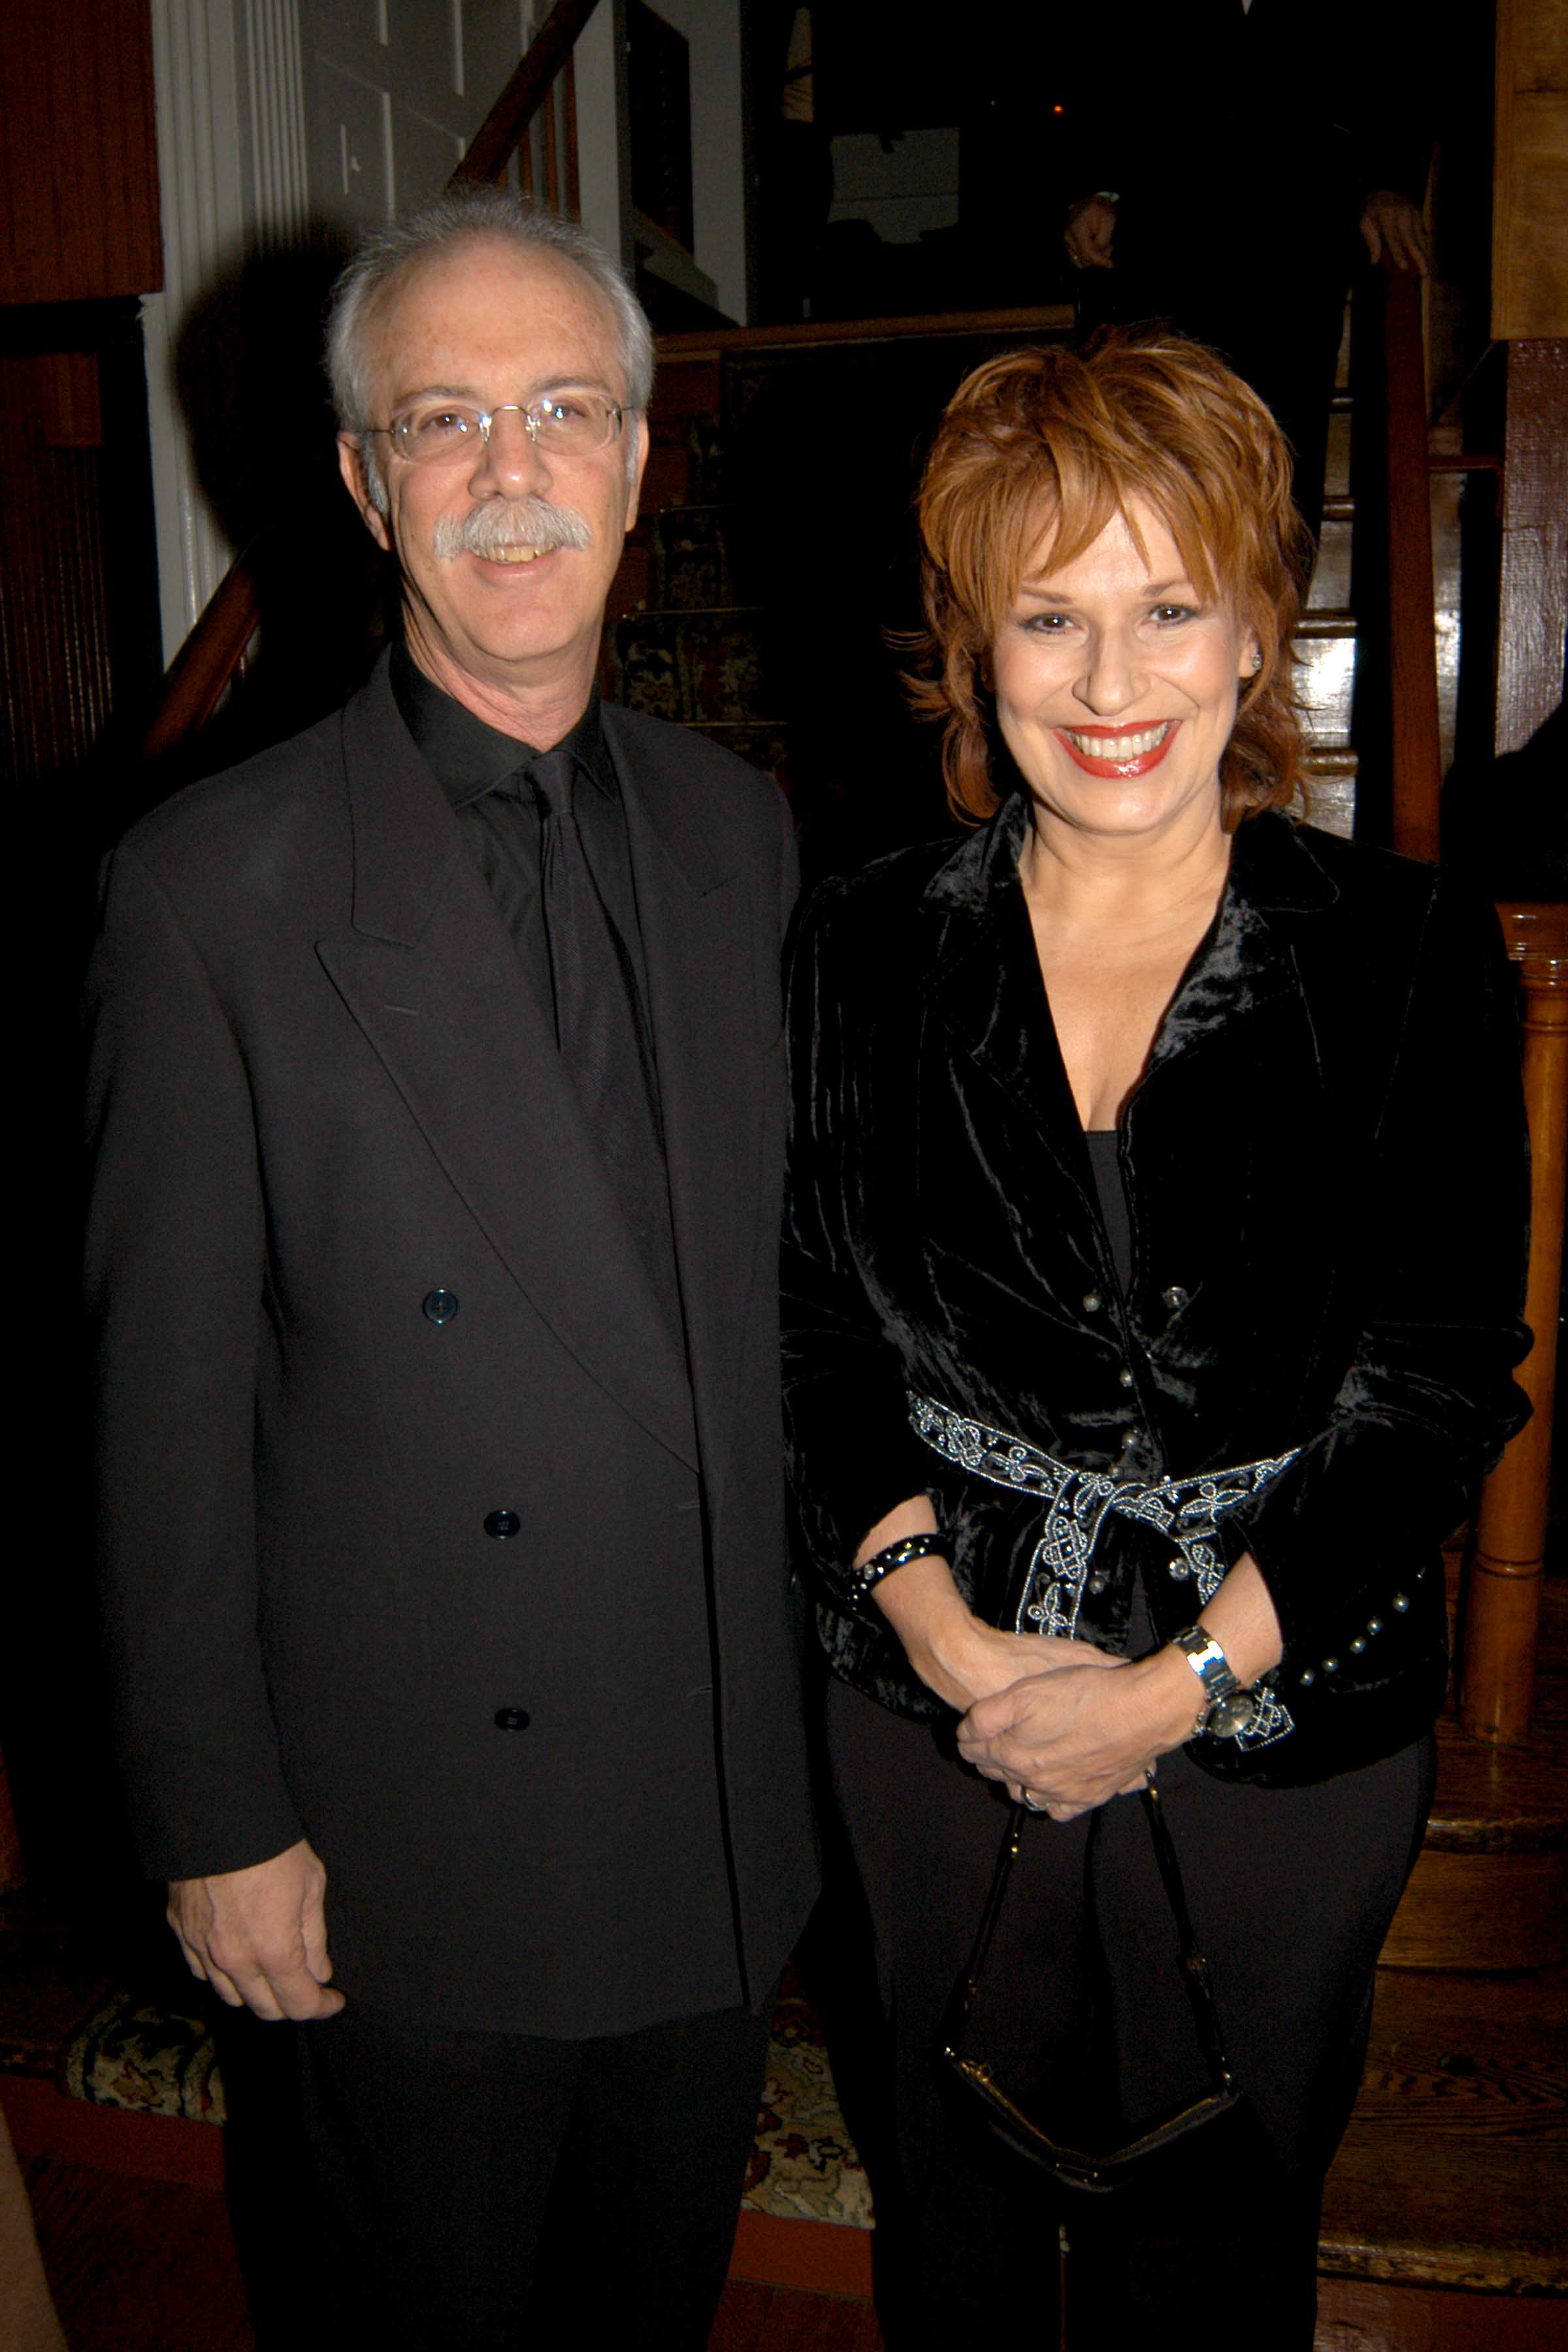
(492, 324)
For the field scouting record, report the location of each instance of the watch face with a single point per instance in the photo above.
(1231, 1716)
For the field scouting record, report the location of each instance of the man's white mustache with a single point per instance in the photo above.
(490, 529)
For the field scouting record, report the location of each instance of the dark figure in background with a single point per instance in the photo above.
(1136, 1370)
(437, 1111)
(1222, 158)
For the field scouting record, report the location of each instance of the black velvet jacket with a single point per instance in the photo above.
(1326, 1167)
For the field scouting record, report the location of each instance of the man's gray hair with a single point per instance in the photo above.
(449, 222)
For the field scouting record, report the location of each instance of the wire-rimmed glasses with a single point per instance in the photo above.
(567, 424)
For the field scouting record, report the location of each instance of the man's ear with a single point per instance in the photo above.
(638, 470)
(351, 467)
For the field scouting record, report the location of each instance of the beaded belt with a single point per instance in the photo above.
(1077, 1503)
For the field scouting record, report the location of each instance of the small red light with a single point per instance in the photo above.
(1057, 110)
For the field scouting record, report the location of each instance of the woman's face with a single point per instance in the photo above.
(1116, 684)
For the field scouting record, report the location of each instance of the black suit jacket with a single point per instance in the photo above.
(1326, 1165)
(321, 1092)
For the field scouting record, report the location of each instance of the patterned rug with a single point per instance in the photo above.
(803, 2167)
(149, 2060)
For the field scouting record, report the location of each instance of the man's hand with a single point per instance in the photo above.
(1090, 232)
(259, 1936)
(1394, 230)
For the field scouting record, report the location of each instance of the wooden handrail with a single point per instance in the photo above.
(208, 661)
(1502, 1596)
(1415, 745)
(505, 126)
(712, 342)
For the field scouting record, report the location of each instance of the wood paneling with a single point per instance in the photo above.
(78, 161)
(1530, 205)
(54, 605)
(77, 614)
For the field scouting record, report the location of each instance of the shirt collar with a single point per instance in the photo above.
(468, 758)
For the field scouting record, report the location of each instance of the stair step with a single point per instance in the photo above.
(1330, 588)
(1489, 1890)
(1315, 627)
(1454, 2172)
(1328, 801)
(1325, 680)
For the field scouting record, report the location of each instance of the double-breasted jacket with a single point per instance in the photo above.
(423, 1536)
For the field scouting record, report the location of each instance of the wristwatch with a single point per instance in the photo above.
(1227, 1707)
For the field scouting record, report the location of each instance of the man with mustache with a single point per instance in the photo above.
(437, 1111)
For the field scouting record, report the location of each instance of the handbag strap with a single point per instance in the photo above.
(1194, 1968)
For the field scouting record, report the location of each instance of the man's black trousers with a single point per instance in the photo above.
(472, 2190)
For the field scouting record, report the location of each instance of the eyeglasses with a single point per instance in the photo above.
(1077, 2168)
(571, 424)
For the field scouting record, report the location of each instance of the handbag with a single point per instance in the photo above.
(977, 2083)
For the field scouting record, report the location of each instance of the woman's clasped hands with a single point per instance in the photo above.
(1082, 1728)
(1064, 1723)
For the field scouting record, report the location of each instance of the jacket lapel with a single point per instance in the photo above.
(431, 977)
(695, 919)
(985, 984)
(985, 979)
(1245, 965)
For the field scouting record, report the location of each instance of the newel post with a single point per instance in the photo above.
(1502, 1607)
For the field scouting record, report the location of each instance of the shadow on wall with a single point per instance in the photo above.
(254, 394)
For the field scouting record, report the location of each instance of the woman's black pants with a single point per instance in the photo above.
(1291, 1893)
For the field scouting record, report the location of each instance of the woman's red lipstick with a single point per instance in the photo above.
(1133, 763)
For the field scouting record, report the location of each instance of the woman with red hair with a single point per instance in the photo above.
(1153, 1280)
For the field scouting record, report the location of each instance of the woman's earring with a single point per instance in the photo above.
(1258, 661)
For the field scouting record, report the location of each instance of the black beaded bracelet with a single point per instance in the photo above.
(935, 1543)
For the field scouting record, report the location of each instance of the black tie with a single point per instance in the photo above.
(600, 1028)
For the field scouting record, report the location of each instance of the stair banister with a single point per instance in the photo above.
(1414, 742)
(213, 654)
(207, 661)
(1502, 1588)
(1502, 1597)
(509, 120)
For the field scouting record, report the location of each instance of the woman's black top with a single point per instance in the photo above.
(1326, 1200)
(1105, 1167)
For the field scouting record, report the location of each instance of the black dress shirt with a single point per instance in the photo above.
(484, 776)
